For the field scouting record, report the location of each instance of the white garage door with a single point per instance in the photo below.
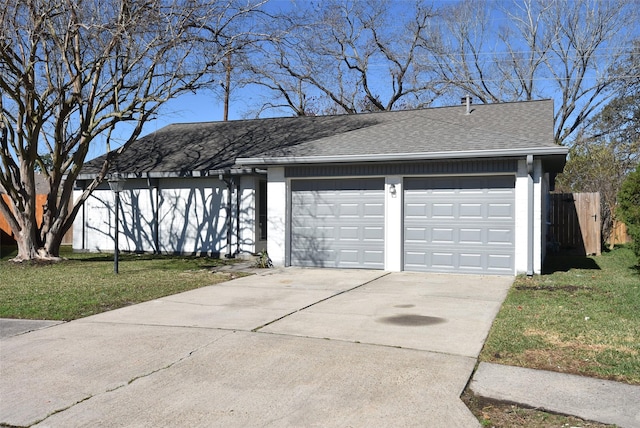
(338, 223)
(460, 224)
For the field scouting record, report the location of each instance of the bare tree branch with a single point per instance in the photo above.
(73, 71)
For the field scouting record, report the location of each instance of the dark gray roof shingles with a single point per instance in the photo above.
(214, 146)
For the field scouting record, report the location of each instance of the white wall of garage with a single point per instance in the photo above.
(522, 214)
(277, 231)
(393, 223)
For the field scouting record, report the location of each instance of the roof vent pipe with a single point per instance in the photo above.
(467, 100)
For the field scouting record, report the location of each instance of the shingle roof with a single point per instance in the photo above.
(183, 148)
(493, 128)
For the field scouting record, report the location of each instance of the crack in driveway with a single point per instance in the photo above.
(319, 301)
(133, 379)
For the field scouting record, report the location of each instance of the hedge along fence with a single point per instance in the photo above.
(619, 234)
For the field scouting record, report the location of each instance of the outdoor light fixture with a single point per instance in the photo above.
(392, 190)
(116, 184)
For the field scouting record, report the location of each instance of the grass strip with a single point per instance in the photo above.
(85, 284)
(582, 317)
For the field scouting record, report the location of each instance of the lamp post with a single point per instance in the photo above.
(116, 183)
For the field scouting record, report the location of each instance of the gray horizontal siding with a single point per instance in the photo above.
(483, 166)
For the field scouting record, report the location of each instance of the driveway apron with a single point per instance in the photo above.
(290, 347)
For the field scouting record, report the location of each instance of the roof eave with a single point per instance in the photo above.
(178, 174)
(394, 157)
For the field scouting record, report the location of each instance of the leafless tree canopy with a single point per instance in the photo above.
(71, 70)
(349, 56)
(570, 51)
(345, 57)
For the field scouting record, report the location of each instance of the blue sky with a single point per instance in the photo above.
(207, 106)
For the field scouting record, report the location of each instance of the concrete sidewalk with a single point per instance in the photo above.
(14, 327)
(587, 398)
(275, 349)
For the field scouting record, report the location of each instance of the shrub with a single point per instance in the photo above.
(629, 207)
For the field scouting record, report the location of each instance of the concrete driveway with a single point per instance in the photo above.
(288, 347)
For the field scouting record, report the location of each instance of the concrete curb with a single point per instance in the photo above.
(588, 398)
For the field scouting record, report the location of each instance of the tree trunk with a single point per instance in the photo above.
(26, 238)
(32, 245)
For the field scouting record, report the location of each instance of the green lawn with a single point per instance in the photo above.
(85, 284)
(583, 317)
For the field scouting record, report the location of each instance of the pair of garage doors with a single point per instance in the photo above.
(450, 224)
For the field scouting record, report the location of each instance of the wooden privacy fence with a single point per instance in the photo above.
(575, 223)
(619, 233)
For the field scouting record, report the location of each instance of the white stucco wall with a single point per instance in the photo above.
(393, 248)
(248, 215)
(277, 216)
(176, 215)
(538, 217)
(522, 208)
(192, 216)
(523, 245)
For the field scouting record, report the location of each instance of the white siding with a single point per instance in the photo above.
(276, 214)
(539, 194)
(522, 207)
(522, 210)
(248, 213)
(393, 223)
(177, 215)
(192, 216)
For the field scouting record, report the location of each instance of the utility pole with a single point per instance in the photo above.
(227, 85)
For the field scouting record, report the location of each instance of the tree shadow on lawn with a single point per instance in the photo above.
(565, 262)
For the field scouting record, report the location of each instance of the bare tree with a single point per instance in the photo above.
(566, 50)
(345, 57)
(604, 154)
(73, 71)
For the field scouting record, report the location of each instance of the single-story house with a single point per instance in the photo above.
(459, 189)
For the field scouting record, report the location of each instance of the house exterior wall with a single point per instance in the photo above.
(393, 237)
(522, 212)
(168, 215)
(192, 216)
(277, 230)
(523, 246)
(249, 235)
(527, 217)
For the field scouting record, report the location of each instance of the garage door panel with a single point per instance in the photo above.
(349, 232)
(470, 261)
(500, 262)
(470, 211)
(443, 260)
(500, 237)
(373, 233)
(442, 210)
(457, 224)
(418, 234)
(500, 211)
(374, 210)
(415, 210)
(442, 235)
(471, 236)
